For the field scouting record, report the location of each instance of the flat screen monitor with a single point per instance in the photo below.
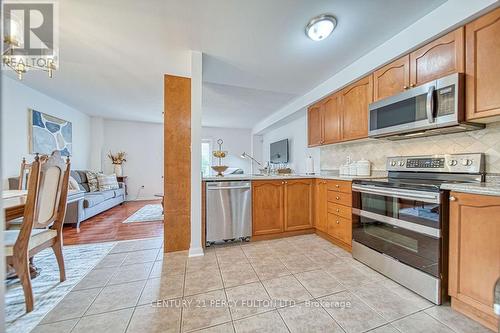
(279, 151)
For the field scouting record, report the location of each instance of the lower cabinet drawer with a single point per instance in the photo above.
(340, 228)
(339, 186)
(344, 199)
(340, 210)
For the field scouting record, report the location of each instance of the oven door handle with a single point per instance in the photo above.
(418, 228)
(431, 197)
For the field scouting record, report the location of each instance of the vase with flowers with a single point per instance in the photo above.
(117, 160)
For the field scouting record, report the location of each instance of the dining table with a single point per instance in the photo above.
(13, 204)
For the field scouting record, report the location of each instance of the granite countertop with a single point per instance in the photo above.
(487, 188)
(324, 175)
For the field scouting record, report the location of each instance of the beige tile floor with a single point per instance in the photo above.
(297, 284)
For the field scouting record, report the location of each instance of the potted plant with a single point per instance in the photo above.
(117, 160)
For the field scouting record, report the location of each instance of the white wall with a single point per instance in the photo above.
(296, 133)
(257, 146)
(16, 100)
(143, 143)
(96, 141)
(236, 141)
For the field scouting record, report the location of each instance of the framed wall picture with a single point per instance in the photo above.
(48, 133)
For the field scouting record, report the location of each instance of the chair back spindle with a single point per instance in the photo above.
(24, 175)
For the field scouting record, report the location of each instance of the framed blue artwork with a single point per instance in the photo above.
(48, 133)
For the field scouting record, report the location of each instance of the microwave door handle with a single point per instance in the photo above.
(429, 105)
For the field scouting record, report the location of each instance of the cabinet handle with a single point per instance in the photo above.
(405, 87)
(337, 186)
(453, 199)
(338, 198)
(282, 182)
(412, 85)
(337, 210)
(337, 221)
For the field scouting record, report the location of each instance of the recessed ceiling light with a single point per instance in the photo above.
(320, 27)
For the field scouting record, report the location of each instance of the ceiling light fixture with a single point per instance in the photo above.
(320, 27)
(18, 60)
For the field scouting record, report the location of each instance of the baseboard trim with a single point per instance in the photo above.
(196, 252)
(329, 238)
(475, 314)
(283, 234)
(143, 199)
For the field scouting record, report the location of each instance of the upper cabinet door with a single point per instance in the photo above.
(355, 101)
(392, 78)
(315, 125)
(439, 58)
(332, 117)
(483, 67)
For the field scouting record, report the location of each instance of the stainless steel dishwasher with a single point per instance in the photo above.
(229, 211)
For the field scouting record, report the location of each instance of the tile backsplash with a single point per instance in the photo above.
(482, 141)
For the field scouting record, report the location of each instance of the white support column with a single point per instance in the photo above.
(196, 248)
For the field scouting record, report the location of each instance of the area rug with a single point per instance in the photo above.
(148, 213)
(47, 290)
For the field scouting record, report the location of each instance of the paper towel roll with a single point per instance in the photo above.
(309, 165)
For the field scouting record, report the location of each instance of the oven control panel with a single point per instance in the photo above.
(428, 163)
(451, 163)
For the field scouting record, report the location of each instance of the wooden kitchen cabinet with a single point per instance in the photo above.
(344, 199)
(391, 79)
(340, 228)
(438, 58)
(482, 83)
(340, 210)
(474, 256)
(332, 119)
(339, 186)
(334, 212)
(267, 207)
(315, 125)
(282, 206)
(355, 100)
(298, 204)
(321, 205)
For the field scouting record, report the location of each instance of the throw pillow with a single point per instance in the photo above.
(92, 181)
(107, 182)
(73, 184)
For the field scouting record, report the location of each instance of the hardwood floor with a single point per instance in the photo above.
(108, 226)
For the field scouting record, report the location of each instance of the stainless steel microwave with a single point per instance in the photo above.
(433, 108)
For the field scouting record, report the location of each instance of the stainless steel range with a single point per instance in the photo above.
(400, 223)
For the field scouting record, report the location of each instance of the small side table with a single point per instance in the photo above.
(123, 179)
(160, 195)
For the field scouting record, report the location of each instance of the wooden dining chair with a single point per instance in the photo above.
(43, 220)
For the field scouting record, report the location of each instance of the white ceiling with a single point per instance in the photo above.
(113, 53)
